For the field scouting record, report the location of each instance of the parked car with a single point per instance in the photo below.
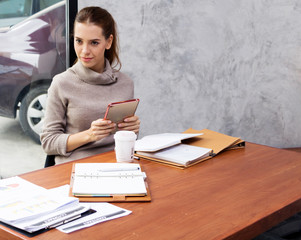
(31, 53)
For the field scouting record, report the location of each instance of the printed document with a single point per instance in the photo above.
(104, 212)
(30, 207)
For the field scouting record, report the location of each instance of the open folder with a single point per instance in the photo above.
(200, 146)
(109, 182)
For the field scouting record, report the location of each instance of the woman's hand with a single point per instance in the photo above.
(130, 124)
(100, 129)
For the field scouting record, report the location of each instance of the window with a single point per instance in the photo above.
(14, 11)
(47, 3)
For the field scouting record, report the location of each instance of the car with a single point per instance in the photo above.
(32, 52)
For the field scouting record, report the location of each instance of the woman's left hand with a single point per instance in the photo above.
(130, 124)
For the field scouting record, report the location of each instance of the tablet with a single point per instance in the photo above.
(118, 111)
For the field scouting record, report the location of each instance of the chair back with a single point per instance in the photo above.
(49, 161)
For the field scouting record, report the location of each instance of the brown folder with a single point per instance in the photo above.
(214, 140)
(113, 198)
(210, 139)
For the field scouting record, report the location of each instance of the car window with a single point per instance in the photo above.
(47, 3)
(14, 8)
(14, 11)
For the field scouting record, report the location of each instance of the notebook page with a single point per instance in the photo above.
(181, 154)
(105, 179)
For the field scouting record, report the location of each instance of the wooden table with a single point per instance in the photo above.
(235, 195)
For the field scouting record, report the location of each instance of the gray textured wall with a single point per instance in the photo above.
(231, 66)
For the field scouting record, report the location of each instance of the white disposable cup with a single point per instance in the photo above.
(124, 145)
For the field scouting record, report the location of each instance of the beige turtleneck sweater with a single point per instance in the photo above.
(76, 98)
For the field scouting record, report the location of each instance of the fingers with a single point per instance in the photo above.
(101, 124)
(100, 129)
(130, 124)
(131, 119)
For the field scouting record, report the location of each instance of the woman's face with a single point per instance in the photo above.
(90, 45)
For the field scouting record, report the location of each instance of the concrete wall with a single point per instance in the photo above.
(231, 66)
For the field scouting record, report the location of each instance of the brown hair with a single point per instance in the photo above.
(103, 19)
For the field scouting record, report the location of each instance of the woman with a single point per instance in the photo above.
(78, 97)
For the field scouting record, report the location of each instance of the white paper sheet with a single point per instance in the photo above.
(24, 204)
(104, 212)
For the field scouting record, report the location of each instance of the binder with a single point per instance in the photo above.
(112, 197)
(215, 141)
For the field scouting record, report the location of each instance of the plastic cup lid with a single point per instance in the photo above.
(125, 135)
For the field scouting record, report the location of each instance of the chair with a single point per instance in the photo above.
(49, 161)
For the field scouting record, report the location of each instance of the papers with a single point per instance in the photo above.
(30, 207)
(157, 142)
(107, 179)
(96, 169)
(53, 219)
(104, 212)
(182, 154)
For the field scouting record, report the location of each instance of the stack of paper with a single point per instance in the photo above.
(30, 207)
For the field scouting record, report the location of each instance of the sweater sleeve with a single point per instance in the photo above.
(53, 137)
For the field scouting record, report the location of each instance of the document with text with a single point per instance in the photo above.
(30, 207)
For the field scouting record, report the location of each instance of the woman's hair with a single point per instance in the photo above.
(103, 19)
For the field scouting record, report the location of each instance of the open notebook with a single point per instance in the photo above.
(109, 182)
(195, 146)
(156, 142)
(182, 154)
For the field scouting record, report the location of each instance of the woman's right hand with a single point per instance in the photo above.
(100, 128)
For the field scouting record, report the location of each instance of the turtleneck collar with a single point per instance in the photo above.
(89, 76)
